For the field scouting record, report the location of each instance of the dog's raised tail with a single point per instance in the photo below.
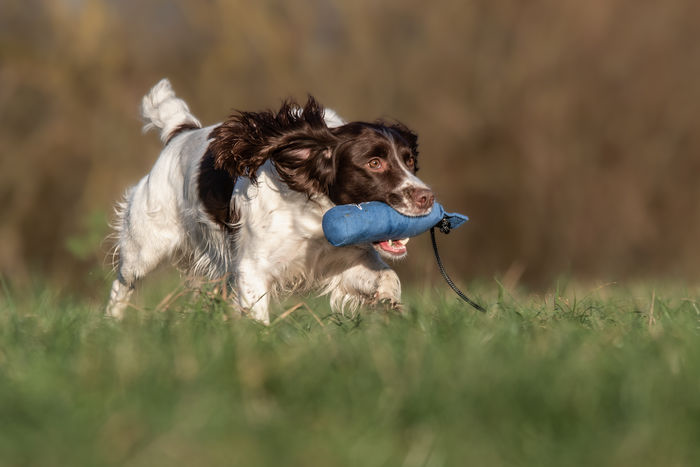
(161, 108)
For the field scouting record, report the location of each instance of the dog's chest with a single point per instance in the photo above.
(277, 225)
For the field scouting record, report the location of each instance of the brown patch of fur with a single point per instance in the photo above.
(215, 187)
(410, 138)
(402, 133)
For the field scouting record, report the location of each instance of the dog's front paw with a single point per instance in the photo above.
(388, 293)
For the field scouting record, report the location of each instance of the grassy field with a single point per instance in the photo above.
(607, 376)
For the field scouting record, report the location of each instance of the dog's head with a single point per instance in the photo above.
(350, 164)
(378, 162)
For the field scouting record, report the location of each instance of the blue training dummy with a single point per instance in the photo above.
(379, 223)
(373, 222)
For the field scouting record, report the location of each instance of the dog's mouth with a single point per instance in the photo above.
(392, 248)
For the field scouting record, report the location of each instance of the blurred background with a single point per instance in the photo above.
(568, 131)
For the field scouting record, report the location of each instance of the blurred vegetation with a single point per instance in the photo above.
(568, 131)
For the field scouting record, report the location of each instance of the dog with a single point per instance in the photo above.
(243, 200)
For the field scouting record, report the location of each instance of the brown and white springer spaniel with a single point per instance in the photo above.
(244, 200)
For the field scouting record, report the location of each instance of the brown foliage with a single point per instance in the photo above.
(568, 131)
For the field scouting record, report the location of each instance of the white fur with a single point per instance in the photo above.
(332, 119)
(160, 108)
(279, 244)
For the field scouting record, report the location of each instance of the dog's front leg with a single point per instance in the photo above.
(370, 281)
(252, 291)
(388, 288)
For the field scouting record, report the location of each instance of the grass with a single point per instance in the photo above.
(608, 377)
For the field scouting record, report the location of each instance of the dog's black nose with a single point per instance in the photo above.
(423, 198)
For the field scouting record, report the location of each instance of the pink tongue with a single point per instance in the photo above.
(395, 248)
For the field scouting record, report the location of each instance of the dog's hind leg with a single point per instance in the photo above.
(119, 297)
(147, 235)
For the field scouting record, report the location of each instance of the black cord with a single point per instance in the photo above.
(444, 227)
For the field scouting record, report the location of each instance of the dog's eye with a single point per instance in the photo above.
(411, 162)
(375, 164)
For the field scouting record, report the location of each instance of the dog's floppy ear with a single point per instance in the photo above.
(295, 139)
(305, 160)
(242, 143)
(308, 164)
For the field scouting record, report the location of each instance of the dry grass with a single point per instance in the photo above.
(566, 130)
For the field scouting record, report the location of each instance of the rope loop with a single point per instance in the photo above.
(444, 226)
